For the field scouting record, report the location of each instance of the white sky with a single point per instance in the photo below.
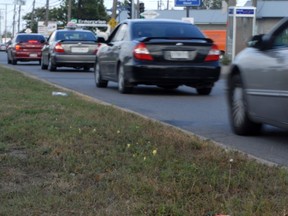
(149, 5)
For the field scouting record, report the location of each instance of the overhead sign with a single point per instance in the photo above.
(187, 3)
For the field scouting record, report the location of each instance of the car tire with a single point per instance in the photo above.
(51, 66)
(86, 68)
(100, 83)
(123, 85)
(204, 91)
(239, 118)
(43, 66)
(14, 61)
(8, 60)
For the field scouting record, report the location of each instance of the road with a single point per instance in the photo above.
(205, 116)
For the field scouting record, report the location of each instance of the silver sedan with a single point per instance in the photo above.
(258, 83)
(70, 48)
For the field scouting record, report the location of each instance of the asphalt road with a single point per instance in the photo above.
(205, 116)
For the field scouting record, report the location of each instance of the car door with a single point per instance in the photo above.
(267, 87)
(46, 48)
(110, 53)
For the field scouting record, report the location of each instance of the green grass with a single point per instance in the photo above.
(71, 156)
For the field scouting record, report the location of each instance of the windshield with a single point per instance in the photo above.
(75, 35)
(25, 38)
(160, 29)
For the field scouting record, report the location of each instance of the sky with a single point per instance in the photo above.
(27, 8)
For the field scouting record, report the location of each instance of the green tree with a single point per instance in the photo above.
(210, 4)
(80, 9)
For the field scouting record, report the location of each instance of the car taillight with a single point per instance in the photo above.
(58, 48)
(141, 52)
(96, 50)
(214, 54)
(17, 47)
(32, 41)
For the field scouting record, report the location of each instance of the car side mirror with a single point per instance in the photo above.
(101, 40)
(261, 42)
(255, 41)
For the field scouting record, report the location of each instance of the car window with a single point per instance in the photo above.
(121, 33)
(282, 39)
(75, 35)
(166, 30)
(28, 37)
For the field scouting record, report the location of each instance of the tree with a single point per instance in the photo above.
(80, 9)
(210, 4)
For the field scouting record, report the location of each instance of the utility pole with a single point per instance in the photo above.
(69, 11)
(5, 21)
(47, 13)
(19, 16)
(114, 8)
(14, 14)
(32, 16)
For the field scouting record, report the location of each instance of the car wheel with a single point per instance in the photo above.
(51, 66)
(240, 121)
(8, 60)
(100, 83)
(43, 66)
(86, 68)
(123, 85)
(14, 61)
(204, 91)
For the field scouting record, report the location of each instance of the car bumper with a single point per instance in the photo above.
(173, 74)
(27, 56)
(73, 60)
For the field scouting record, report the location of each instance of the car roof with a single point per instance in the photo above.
(155, 21)
(72, 30)
(29, 34)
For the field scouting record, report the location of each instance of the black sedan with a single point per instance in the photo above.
(166, 53)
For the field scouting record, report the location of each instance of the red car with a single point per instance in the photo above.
(25, 47)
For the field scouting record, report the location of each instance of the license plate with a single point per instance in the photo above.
(179, 54)
(79, 49)
(33, 55)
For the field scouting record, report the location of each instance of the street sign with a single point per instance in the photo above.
(149, 14)
(112, 22)
(187, 3)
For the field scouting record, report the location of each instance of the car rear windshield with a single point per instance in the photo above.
(161, 29)
(28, 37)
(75, 35)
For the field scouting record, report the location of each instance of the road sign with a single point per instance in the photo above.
(112, 22)
(149, 14)
(187, 3)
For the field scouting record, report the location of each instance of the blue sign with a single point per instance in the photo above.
(245, 11)
(187, 3)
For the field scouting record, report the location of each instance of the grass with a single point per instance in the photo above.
(71, 156)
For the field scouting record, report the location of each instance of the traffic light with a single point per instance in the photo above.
(141, 7)
(129, 9)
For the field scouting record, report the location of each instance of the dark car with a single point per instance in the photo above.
(25, 47)
(166, 53)
(258, 83)
(3, 47)
(70, 48)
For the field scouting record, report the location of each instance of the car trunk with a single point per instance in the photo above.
(185, 51)
(79, 48)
